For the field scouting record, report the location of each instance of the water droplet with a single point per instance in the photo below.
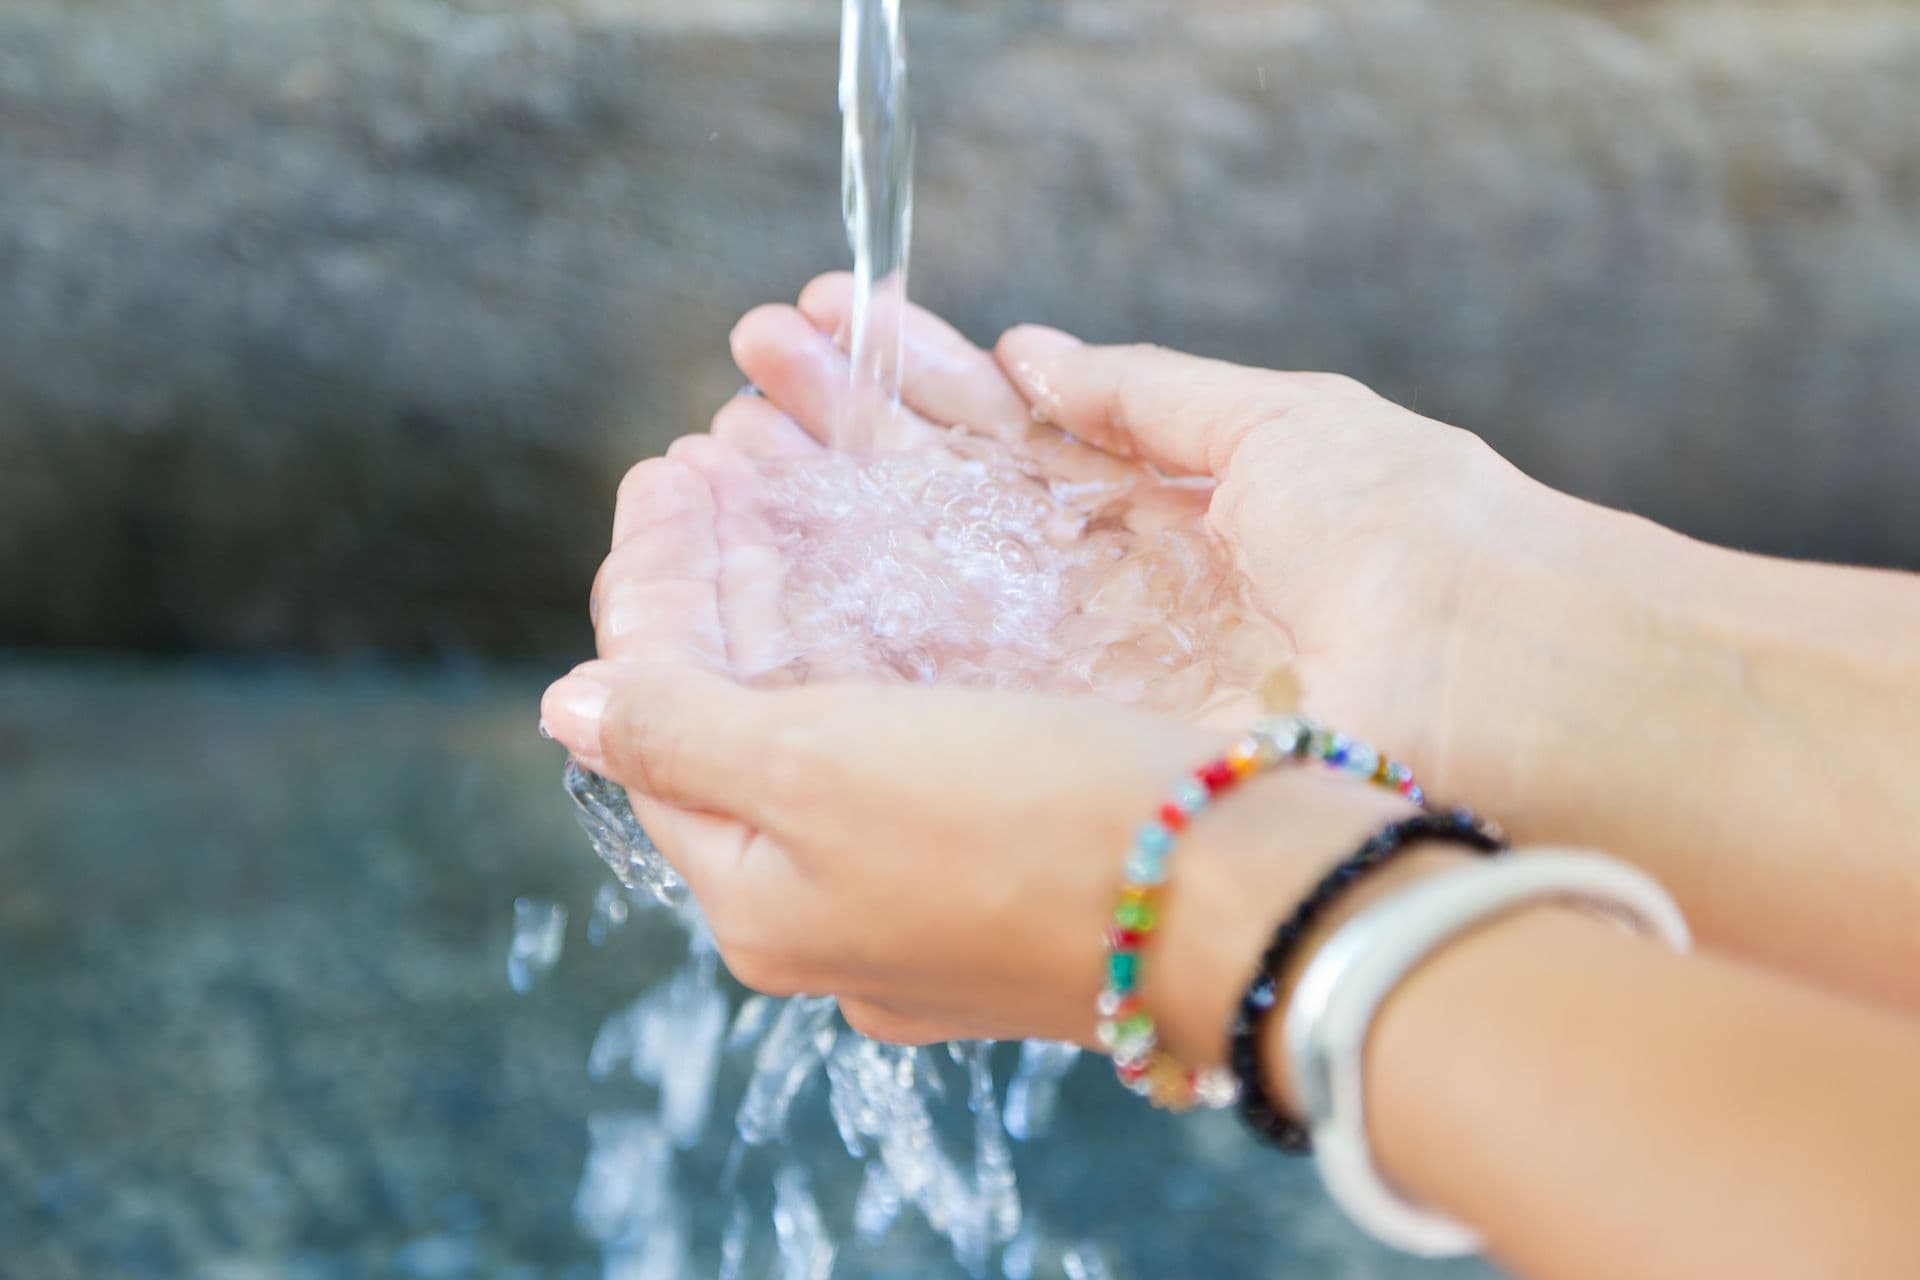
(539, 933)
(610, 911)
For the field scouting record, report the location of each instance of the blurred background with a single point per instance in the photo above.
(327, 329)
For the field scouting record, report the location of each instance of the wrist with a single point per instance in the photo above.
(1243, 868)
(1570, 608)
(1419, 862)
(1523, 970)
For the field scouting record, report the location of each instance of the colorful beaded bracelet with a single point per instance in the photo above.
(1125, 1028)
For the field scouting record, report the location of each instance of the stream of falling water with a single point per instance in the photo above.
(876, 197)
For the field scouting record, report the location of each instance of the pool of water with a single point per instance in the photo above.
(255, 1018)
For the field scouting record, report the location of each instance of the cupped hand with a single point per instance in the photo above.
(942, 860)
(1142, 617)
(1363, 529)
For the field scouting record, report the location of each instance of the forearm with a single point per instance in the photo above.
(1596, 1106)
(1744, 728)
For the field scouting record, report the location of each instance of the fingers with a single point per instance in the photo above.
(780, 760)
(1185, 414)
(947, 380)
(673, 733)
(758, 429)
(751, 571)
(824, 766)
(657, 594)
(801, 371)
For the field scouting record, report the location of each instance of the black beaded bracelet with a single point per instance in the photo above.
(1245, 1049)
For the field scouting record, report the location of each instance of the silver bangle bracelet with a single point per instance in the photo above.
(1333, 1008)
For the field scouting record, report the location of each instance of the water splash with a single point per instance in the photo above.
(1085, 1261)
(1035, 1088)
(671, 1038)
(793, 1048)
(878, 1205)
(539, 933)
(882, 1098)
(610, 911)
(806, 1251)
(628, 1202)
(604, 813)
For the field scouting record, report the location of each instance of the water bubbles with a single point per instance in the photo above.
(539, 933)
(964, 561)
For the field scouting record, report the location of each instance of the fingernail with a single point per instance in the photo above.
(544, 731)
(571, 713)
(750, 391)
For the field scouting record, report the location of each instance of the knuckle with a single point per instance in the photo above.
(1338, 385)
(625, 563)
(1132, 387)
(688, 450)
(737, 407)
(638, 479)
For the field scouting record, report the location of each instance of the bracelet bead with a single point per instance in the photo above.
(1125, 1028)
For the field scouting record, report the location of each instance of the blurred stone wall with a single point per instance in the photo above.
(331, 326)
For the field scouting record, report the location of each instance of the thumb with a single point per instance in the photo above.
(673, 733)
(1184, 414)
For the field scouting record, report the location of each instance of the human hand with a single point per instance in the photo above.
(1363, 529)
(1582, 674)
(1122, 590)
(942, 860)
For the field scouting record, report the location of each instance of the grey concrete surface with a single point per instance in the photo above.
(330, 327)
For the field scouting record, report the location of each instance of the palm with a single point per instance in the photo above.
(806, 399)
(693, 581)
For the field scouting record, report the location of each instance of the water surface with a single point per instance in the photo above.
(255, 1018)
